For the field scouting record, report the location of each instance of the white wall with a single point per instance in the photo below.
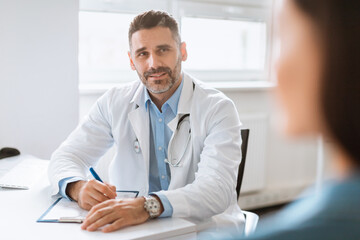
(38, 73)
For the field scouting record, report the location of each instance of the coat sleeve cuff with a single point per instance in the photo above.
(63, 184)
(168, 209)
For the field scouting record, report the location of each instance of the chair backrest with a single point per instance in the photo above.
(251, 219)
(244, 145)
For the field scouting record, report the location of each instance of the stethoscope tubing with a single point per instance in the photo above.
(170, 162)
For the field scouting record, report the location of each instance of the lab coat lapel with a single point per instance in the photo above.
(139, 119)
(184, 106)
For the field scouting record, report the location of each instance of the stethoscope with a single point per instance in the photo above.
(174, 162)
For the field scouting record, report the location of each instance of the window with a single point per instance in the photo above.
(229, 47)
(226, 40)
(103, 47)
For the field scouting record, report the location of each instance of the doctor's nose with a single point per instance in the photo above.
(154, 61)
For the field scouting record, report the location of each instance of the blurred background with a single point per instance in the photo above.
(58, 57)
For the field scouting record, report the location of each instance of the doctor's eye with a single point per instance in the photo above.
(163, 50)
(142, 54)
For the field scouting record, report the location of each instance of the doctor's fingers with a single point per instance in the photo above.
(121, 213)
(99, 218)
(88, 193)
(105, 189)
(105, 216)
(98, 196)
(87, 202)
(112, 187)
(120, 223)
(125, 217)
(85, 206)
(106, 204)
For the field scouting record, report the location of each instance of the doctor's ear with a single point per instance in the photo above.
(183, 51)
(131, 61)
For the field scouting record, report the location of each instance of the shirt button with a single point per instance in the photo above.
(160, 148)
(160, 120)
(162, 177)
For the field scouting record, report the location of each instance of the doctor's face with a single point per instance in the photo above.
(157, 57)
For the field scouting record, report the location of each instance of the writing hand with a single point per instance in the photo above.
(90, 193)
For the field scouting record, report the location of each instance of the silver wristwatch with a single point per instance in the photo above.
(152, 206)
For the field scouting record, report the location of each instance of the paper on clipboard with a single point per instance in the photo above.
(66, 211)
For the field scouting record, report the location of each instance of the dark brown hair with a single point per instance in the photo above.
(151, 19)
(338, 23)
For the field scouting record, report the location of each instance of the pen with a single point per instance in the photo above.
(95, 175)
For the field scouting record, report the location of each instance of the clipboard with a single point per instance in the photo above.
(67, 211)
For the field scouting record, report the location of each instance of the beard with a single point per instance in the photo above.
(163, 85)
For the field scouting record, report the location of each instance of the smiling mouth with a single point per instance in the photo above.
(157, 75)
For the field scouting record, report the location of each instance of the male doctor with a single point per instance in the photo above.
(177, 141)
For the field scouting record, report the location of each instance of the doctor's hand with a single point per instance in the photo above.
(117, 213)
(90, 193)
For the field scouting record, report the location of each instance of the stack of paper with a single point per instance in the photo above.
(27, 170)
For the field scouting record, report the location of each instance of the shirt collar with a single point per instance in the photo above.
(172, 102)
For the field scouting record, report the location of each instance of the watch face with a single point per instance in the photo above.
(152, 206)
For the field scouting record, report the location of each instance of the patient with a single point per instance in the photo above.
(319, 90)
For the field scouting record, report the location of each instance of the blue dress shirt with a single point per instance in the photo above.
(160, 133)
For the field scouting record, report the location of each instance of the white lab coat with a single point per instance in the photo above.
(204, 183)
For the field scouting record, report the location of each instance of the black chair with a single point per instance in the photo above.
(244, 145)
(251, 219)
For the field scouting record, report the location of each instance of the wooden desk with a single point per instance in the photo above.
(20, 209)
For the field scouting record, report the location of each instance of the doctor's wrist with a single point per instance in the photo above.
(73, 189)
